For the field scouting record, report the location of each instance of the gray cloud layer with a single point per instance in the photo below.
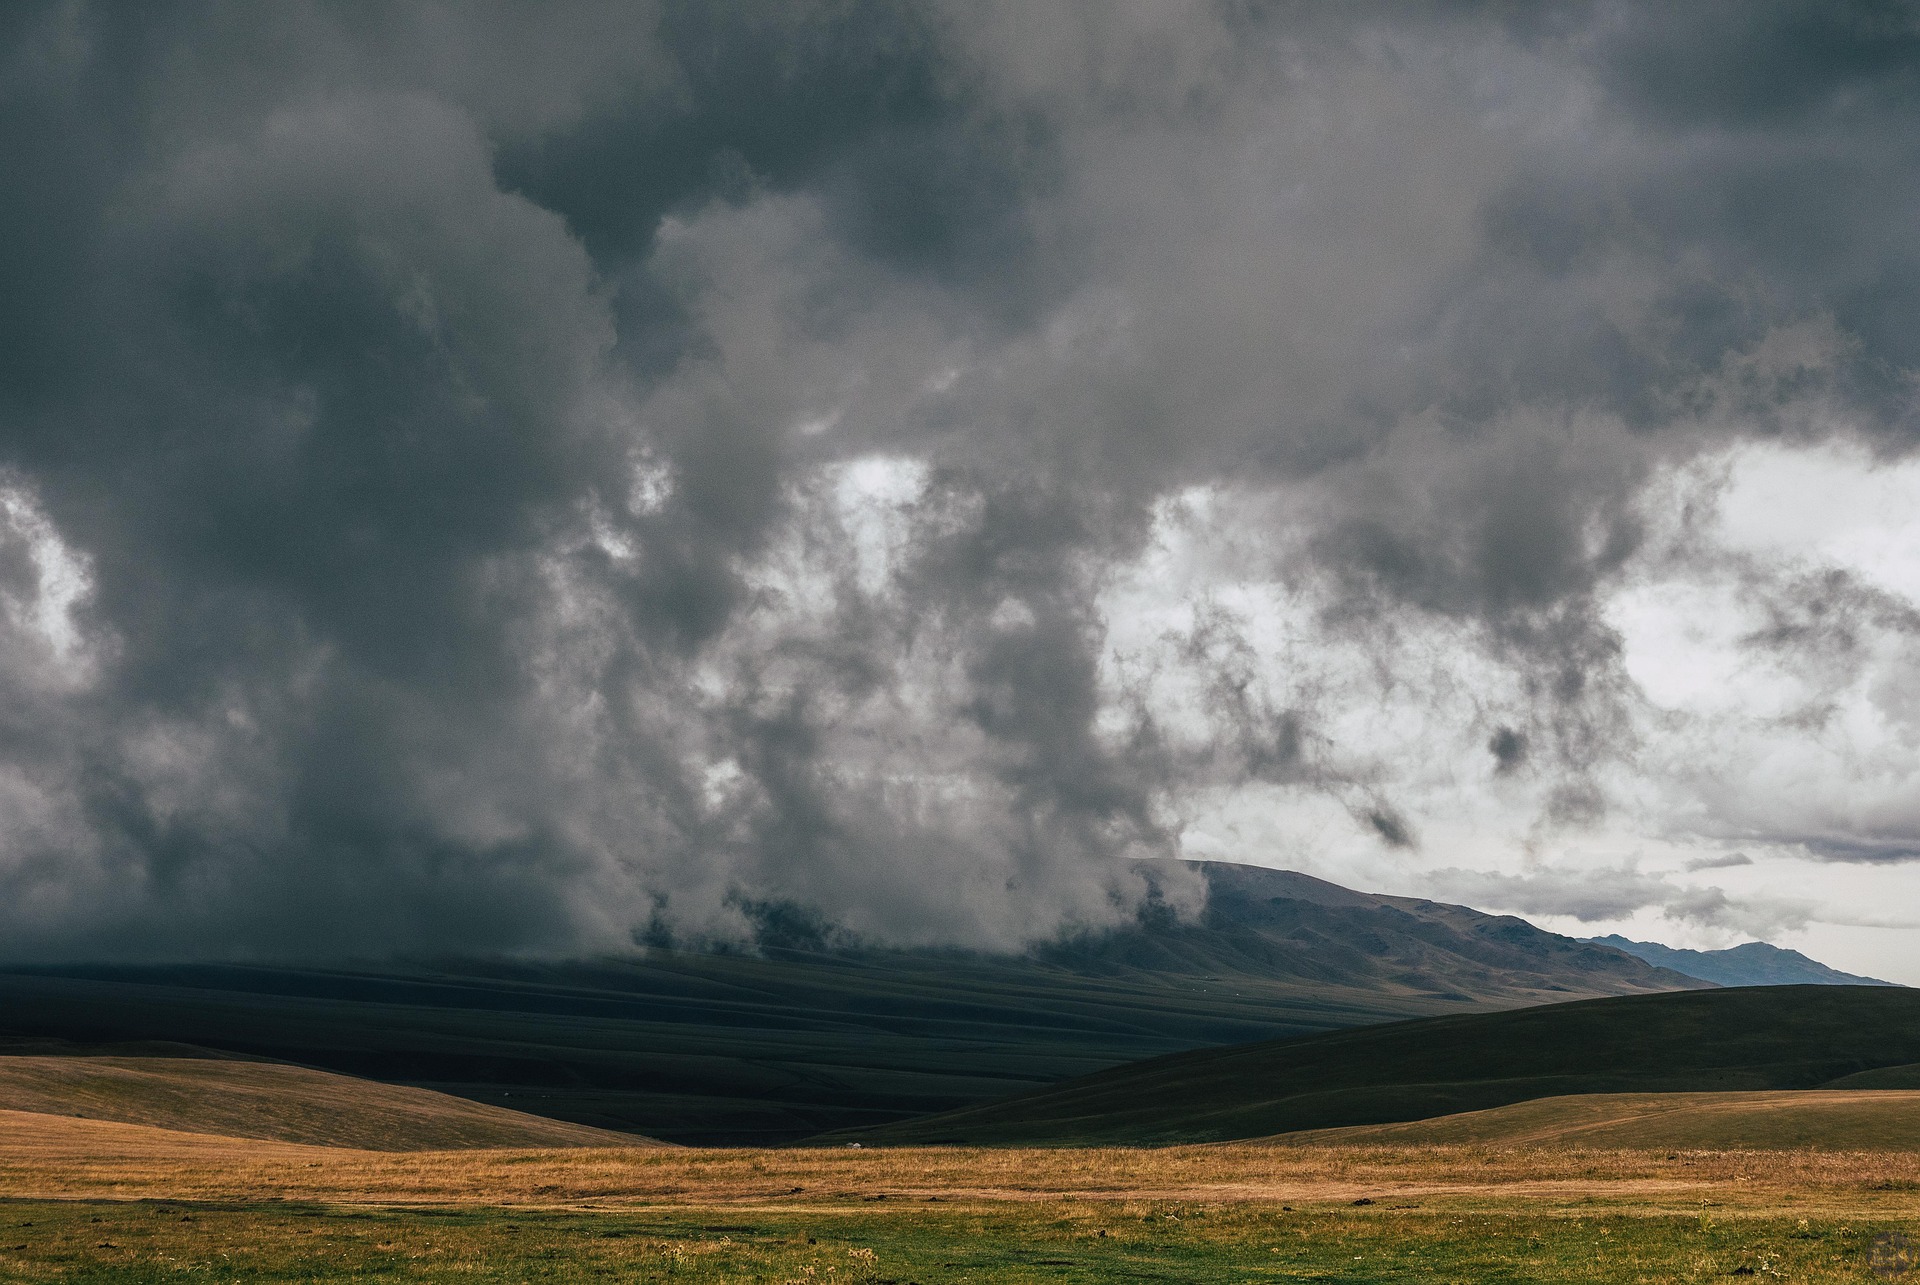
(477, 479)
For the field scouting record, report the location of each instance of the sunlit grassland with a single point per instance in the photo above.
(1050, 1240)
(84, 1200)
(1033, 1241)
(276, 1102)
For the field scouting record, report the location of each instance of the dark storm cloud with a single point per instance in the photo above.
(478, 478)
(1727, 862)
(1509, 750)
(1890, 848)
(1391, 827)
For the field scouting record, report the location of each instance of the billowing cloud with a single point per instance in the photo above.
(1729, 861)
(476, 481)
(1612, 894)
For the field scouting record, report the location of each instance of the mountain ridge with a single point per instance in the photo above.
(1753, 963)
(779, 1046)
(1283, 922)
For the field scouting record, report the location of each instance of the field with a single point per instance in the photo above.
(87, 1200)
(163, 1169)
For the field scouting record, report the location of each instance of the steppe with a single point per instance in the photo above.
(90, 1200)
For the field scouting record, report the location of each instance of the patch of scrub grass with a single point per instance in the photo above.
(1042, 1241)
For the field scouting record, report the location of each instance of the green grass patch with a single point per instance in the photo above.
(1056, 1242)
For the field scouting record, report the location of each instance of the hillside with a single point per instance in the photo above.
(278, 1103)
(1823, 1119)
(1790, 1037)
(1282, 925)
(1753, 963)
(1881, 1077)
(802, 1037)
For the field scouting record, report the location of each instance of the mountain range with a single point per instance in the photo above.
(799, 1037)
(1753, 963)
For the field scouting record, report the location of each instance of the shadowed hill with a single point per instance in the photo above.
(801, 1038)
(1825, 1119)
(1881, 1077)
(1790, 1037)
(280, 1103)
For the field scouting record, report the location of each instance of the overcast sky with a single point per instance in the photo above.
(506, 477)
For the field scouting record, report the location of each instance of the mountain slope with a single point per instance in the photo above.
(1753, 963)
(1282, 925)
(746, 1049)
(281, 1103)
(1776, 1037)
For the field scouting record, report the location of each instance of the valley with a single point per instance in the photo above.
(1308, 1084)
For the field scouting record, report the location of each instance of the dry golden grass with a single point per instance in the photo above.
(52, 1157)
(103, 1201)
(276, 1102)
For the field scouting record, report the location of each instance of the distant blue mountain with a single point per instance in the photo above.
(1752, 964)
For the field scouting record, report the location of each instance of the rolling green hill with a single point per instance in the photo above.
(803, 1037)
(1784, 1037)
(283, 1103)
(1823, 1119)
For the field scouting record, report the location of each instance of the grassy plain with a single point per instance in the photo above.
(86, 1201)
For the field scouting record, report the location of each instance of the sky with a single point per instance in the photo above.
(556, 479)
